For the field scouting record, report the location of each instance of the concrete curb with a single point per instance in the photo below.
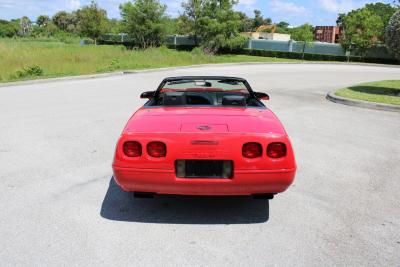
(60, 79)
(360, 103)
(119, 73)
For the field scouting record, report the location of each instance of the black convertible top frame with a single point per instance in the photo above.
(172, 79)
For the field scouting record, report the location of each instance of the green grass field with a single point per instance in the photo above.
(387, 92)
(27, 59)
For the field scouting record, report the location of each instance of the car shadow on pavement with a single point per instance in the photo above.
(122, 206)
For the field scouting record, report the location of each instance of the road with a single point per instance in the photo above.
(59, 205)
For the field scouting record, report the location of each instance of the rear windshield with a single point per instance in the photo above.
(205, 86)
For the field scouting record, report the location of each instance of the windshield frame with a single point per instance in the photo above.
(197, 78)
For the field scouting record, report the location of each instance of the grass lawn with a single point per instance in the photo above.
(27, 59)
(387, 92)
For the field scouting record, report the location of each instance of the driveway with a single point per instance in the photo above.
(59, 205)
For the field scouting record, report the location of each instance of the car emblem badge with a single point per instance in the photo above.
(204, 127)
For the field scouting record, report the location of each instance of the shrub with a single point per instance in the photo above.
(31, 71)
(393, 35)
(197, 51)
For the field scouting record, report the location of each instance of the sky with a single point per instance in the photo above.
(296, 12)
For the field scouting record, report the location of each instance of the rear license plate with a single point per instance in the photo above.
(222, 169)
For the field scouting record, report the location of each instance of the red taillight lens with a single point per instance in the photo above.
(157, 149)
(276, 150)
(132, 149)
(252, 150)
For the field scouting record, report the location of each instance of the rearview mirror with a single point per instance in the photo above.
(261, 96)
(148, 94)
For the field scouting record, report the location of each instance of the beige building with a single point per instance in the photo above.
(267, 36)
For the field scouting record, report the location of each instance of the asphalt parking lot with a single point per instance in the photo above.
(59, 205)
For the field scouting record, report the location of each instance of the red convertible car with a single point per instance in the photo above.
(199, 135)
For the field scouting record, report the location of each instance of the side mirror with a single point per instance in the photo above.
(148, 94)
(261, 96)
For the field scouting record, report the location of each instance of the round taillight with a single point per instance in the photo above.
(157, 149)
(276, 150)
(132, 149)
(252, 150)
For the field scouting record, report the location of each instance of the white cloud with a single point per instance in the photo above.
(73, 4)
(342, 6)
(287, 7)
(247, 4)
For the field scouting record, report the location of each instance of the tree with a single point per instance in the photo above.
(189, 20)
(393, 35)
(259, 19)
(219, 26)
(213, 23)
(304, 34)
(361, 29)
(246, 23)
(65, 21)
(282, 27)
(25, 25)
(8, 29)
(340, 19)
(92, 21)
(384, 11)
(171, 25)
(42, 20)
(115, 26)
(283, 24)
(143, 21)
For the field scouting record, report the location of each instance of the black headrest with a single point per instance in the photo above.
(234, 100)
(174, 99)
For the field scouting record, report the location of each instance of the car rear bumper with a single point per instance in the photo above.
(244, 182)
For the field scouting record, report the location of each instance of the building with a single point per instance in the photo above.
(327, 34)
(267, 36)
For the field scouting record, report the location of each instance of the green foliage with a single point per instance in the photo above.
(246, 23)
(115, 26)
(283, 27)
(259, 19)
(304, 34)
(60, 59)
(171, 25)
(65, 21)
(214, 23)
(362, 29)
(340, 19)
(197, 51)
(8, 29)
(393, 35)
(384, 11)
(42, 20)
(31, 71)
(381, 10)
(219, 26)
(143, 21)
(190, 19)
(92, 21)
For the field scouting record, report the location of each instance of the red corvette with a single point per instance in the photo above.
(204, 136)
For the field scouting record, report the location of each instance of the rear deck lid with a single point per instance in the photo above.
(204, 128)
(204, 120)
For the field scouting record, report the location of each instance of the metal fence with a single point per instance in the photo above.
(287, 46)
(183, 41)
